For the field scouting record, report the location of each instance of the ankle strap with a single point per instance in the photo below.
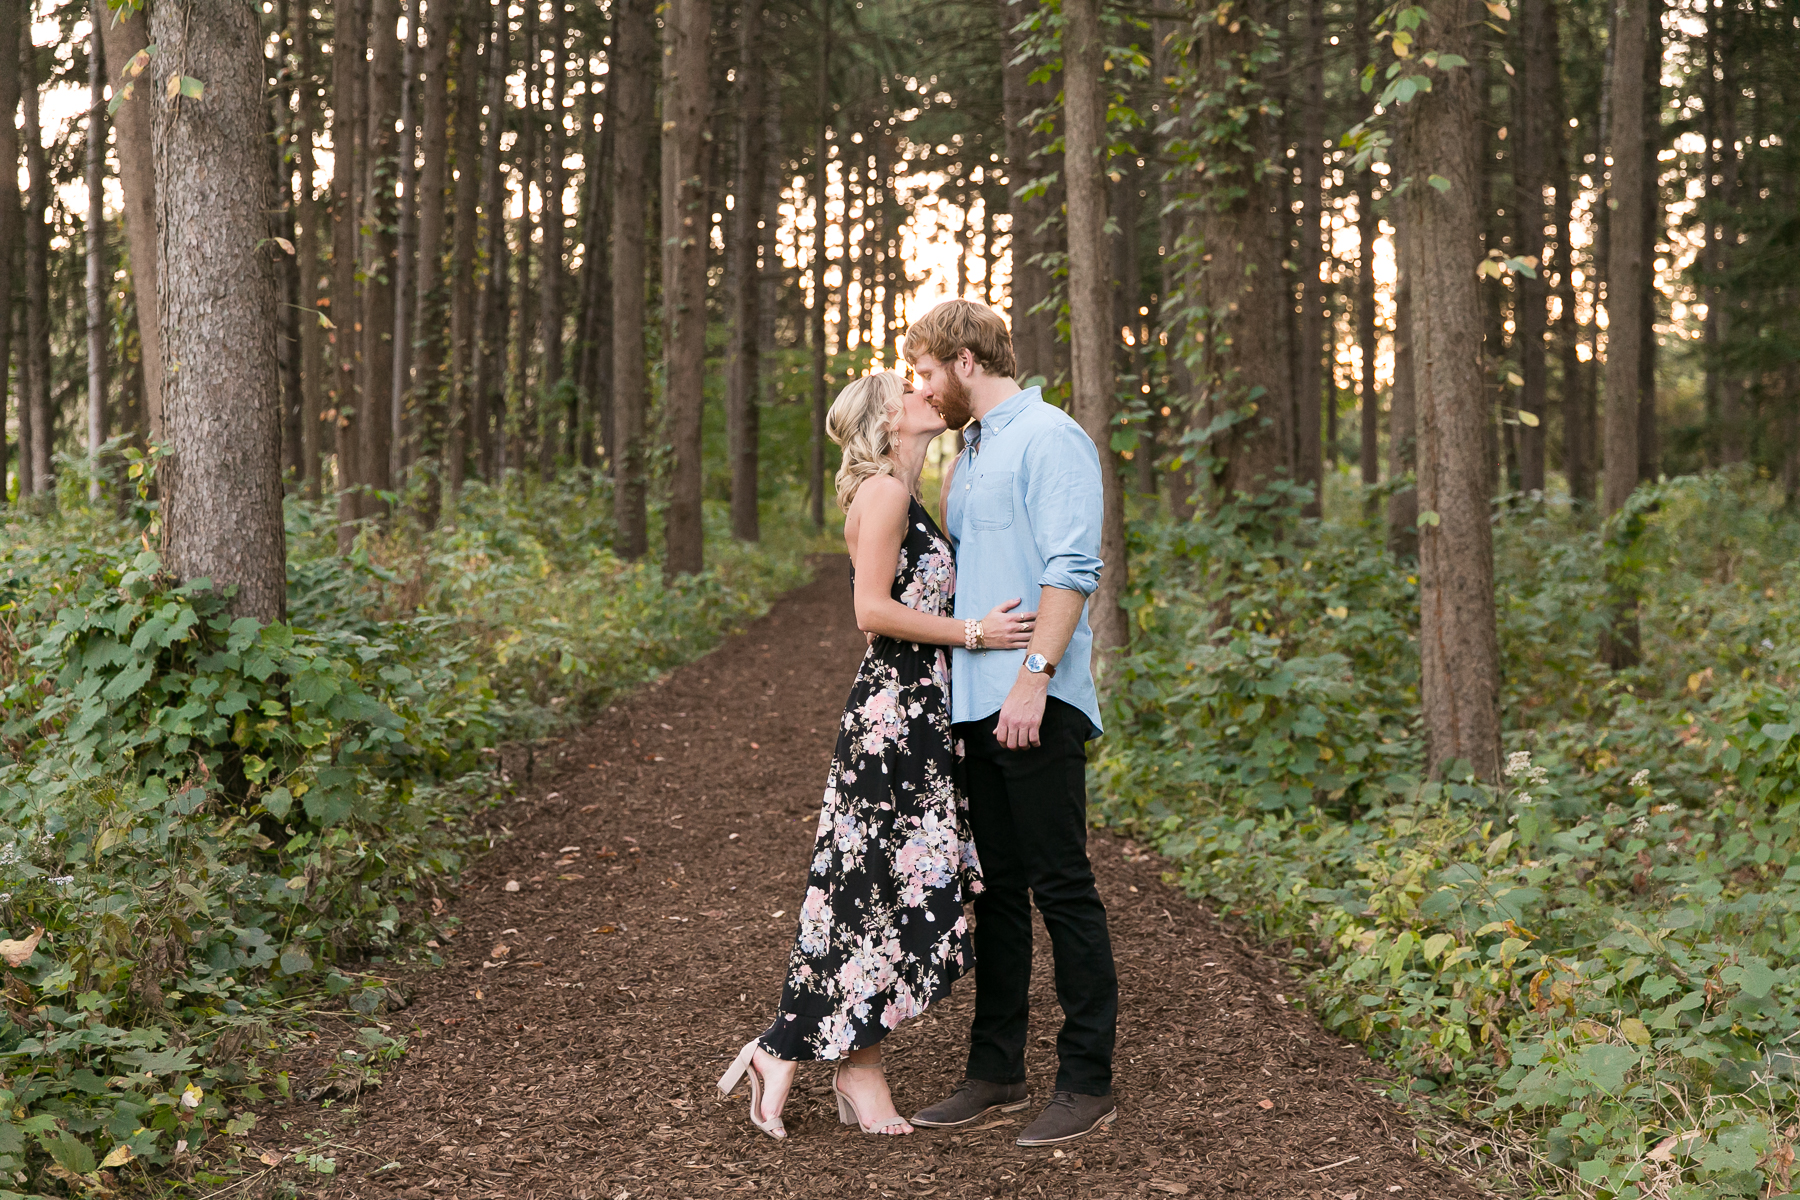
(874, 1066)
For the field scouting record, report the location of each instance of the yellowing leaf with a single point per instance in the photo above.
(174, 87)
(1499, 10)
(1512, 377)
(285, 244)
(1528, 418)
(16, 952)
(118, 1156)
(192, 88)
(138, 62)
(1635, 1031)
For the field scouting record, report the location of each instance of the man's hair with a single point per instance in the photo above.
(958, 325)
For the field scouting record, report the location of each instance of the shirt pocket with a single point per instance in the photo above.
(990, 502)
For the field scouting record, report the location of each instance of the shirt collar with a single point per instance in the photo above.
(1003, 412)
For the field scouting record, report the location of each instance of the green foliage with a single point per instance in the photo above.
(1602, 955)
(209, 827)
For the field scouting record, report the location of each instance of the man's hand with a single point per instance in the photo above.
(1023, 711)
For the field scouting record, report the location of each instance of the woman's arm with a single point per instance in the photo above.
(881, 508)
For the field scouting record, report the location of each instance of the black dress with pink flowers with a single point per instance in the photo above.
(882, 932)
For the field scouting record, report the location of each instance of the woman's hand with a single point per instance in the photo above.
(1003, 629)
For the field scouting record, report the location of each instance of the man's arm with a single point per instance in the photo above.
(1022, 713)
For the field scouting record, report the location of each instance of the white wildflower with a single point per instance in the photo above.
(1641, 779)
(1767, 644)
(1641, 824)
(62, 880)
(1518, 763)
(1524, 800)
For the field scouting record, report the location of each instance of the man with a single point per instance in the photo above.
(1023, 507)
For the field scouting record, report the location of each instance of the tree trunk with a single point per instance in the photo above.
(1535, 91)
(381, 219)
(1725, 200)
(743, 368)
(307, 247)
(1034, 333)
(280, 82)
(402, 417)
(1626, 284)
(1403, 409)
(550, 256)
(124, 37)
(349, 80)
(1090, 305)
(35, 369)
(1309, 361)
(490, 304)
(1459, 686)
(1578, 446)
(427, 404)
(593, 327)
(470, 62)
(221, 485)
(1241, 287)
(96, 255)
(12, 24)
(815, 477)
(686, 108)
(633, 85)
(1648, 451)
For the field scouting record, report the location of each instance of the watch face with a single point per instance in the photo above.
(1035, 663)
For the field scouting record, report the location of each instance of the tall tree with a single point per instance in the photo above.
(633, 87)
(12, 21)
(1034, 332)
(36, 364)
(1649, 451)
(1403, 409)
(381, 253)
(307, 246)
(464, 265)
(402, 417)
(1459, 655)
(1627, 285)
(1090, 301)
(97, 279)
(124, 37)
(221, 485)
(427, 403)
(1309, 324)
(687, 105)
(821, 297)
(349, 91)
(743, 366)
(1531, 159)
(550, 288)
(1368, 228)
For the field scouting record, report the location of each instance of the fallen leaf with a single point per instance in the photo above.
(1173, 1189)
(570, 850)
(1678, 1143)
(780, 912)
(512, 885)
(1265, 1104)
(500, 951)
(16, 952)
(588, 808)
(271, 1158)
(605, 929)
(118, 1156)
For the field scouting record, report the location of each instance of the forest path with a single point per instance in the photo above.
(582, 1065)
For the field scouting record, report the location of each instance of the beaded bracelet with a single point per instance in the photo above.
(971, 634)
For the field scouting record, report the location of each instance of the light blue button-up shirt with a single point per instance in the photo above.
(1024, 514)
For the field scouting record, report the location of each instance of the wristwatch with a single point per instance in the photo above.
(1037, 664)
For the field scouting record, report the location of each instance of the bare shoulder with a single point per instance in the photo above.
(881, 500)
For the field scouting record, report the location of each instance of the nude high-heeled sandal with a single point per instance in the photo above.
(892, 1127)
(742, 1067)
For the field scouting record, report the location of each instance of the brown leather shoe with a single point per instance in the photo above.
(1069, 1115)
(973, 1099)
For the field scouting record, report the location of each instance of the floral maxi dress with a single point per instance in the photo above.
(882, 932)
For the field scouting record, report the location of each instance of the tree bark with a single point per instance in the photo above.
(402, 417)
(1535, 91)
(221, 484)
(349, 82)
(12, 23)
(428, 404)
(307, 247)
(1626, 284)
(1649, 453)
(593, 327)
(485, 403)
(35, 369)
(381, 263)
(1090, 305)
(1034, 333)
(124, 36)
(550, 276)
(1245, 368)
(686, 108)
(1309, 327)
(821, 298)
(469, 67)
(97, 330)
(1459, 686)
(743, 369)
(1368, 229)
(633, 96)
(1403, 409)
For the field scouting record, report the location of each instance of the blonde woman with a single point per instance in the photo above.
(882, 933)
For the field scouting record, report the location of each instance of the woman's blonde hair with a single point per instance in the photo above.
(862, 420)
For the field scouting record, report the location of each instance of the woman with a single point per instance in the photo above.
(882, 932)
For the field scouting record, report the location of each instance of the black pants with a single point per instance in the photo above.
(1028, 812)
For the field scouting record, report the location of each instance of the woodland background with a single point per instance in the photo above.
(388, 382)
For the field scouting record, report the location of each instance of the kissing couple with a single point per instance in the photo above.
(963, 778)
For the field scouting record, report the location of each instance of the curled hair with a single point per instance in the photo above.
(958, 325)
(862, 420)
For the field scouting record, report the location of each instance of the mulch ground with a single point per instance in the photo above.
(569, 1048)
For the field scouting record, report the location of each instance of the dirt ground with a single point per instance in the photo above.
(569, 1048)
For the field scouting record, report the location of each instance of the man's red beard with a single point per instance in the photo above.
(953, 402)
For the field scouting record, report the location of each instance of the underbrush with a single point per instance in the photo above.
(210, 826)
(1600, 956)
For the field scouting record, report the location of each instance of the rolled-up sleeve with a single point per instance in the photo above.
(1065, 501)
